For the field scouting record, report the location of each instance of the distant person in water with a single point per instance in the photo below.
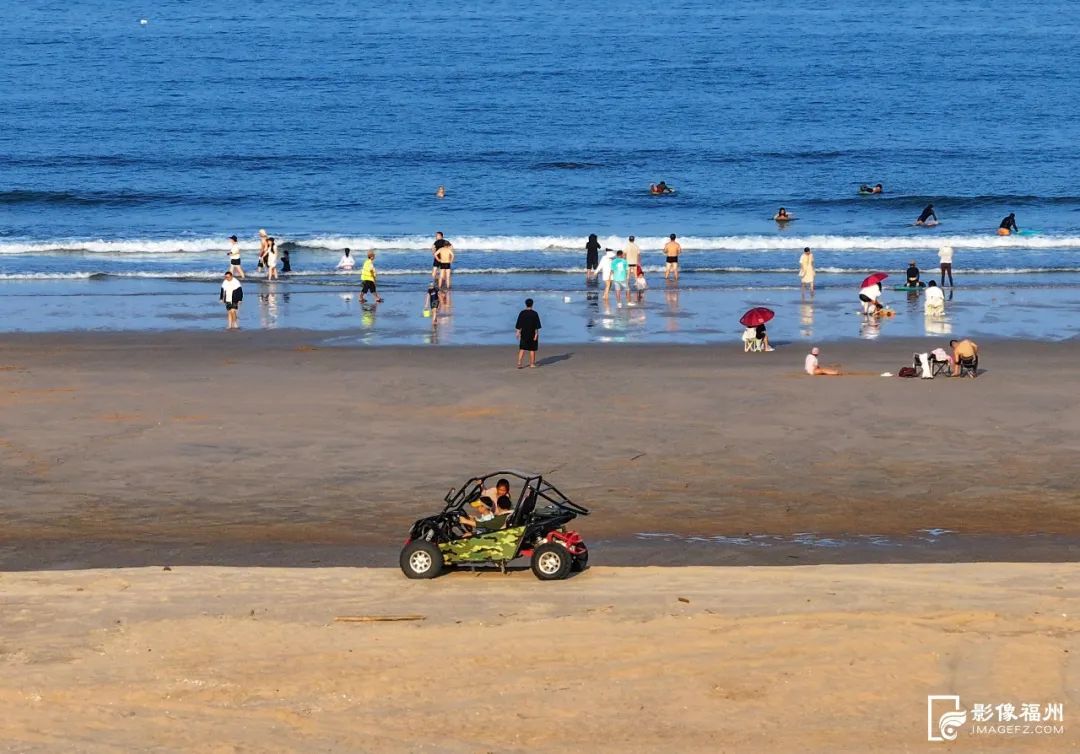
(592, 257)
(661, 188)
(263, 246)
(271, 258)
(865, 189)
(286, 263)
(444, 260)
(806, 272)
(927, 213)
(1008, 225)
(878, 188)
(782, 216)
(945, 257)
(913, 275)
(234, 258)
(347, 261)
(231, 295)
(440, 192)
(367, 278)
(672, 250)
(528, 332)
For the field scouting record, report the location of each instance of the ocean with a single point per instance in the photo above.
(130, 151)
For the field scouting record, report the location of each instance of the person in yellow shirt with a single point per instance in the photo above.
(367, 278)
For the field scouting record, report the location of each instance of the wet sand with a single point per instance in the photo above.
(261, 448)
(808, 659)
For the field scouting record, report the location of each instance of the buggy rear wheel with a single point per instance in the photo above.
(421, 559)
(551, 562)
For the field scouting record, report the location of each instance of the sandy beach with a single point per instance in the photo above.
(260, 449)
(810, 659)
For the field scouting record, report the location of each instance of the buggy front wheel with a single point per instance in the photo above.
(551, 562)
(421, 559)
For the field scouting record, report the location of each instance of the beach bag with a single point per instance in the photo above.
(907, 372)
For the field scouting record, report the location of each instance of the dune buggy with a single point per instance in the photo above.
(535, 528)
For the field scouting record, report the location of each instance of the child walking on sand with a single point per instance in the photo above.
(367, 278)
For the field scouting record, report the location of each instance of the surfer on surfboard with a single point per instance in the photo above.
(1008, 225)
(927, 213)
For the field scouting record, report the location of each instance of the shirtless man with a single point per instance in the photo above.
(443, 259)
(672, 249)
(632, 253)
(967, 351)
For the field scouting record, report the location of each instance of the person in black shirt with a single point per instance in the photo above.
(1009, 224)
(528, 332)
(592, 257)
(913, 275)
(927, 213)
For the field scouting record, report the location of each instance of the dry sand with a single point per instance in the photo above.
(259, 448)
(807, 659)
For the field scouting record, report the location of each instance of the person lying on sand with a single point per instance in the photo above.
(815, 369)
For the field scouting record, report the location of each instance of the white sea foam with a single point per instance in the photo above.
(551, 244)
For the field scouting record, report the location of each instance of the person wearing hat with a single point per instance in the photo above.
(815, 369)
(234, 258)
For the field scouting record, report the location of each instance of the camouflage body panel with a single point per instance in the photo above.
(483, 548)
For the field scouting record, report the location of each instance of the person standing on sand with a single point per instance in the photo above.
(231, 295)
(592, 257)
(672, 249)
(528, 332)
(945, 255)
(813, 368)
(234, 258)
(806, 272)
(632, 253)
(367, 278)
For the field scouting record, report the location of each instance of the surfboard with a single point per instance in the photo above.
(1027, 233)
(909, 288)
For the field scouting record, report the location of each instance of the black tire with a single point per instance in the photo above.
(421, 559)
(581, 562)
(551, 562)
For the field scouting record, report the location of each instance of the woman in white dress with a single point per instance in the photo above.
(271, 259)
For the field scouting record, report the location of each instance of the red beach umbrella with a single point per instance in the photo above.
(759, 315)
(874, 279)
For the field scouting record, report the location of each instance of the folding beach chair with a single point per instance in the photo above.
(751, 342)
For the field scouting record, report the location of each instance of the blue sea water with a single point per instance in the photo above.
(132, 150)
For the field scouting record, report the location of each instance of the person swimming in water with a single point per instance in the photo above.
(927, 213)
(1008, 225)
(661, 188)
(782, 216)
(867, 189)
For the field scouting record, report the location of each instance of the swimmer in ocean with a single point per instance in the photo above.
(927, 213)
(661, 188)
(782, 216)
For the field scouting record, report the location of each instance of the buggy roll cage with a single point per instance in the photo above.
(533, 489)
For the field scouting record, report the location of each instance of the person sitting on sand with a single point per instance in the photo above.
(913, 275)
(1008, 225)
(815, 369)
(761, 334)
(965, 353)
(347, 261)
(782, 216)
(927, 213)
